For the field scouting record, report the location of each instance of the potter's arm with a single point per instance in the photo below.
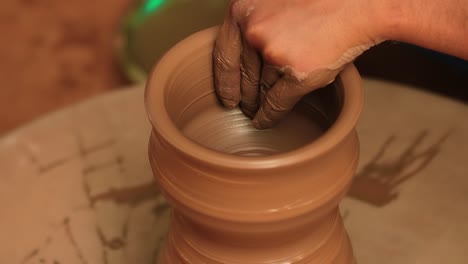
(440, 25)
(269, 53)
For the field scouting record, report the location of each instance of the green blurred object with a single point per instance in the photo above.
(156, 25)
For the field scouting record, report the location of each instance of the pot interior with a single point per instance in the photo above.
(192, 105)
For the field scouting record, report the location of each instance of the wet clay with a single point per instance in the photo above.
(232, 132)
(242, 195)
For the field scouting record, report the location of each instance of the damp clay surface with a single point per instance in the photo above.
(230, 131)
(193, 108)
(242, 195)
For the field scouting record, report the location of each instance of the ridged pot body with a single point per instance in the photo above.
(275, 208)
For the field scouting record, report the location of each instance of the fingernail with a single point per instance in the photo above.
(229, 103)
(257, 124)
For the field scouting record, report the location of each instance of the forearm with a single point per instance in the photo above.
(440, 25)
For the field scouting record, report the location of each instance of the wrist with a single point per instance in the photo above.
(438, 25)
(391, 19)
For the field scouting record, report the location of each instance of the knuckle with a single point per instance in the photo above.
(248, 76)
(274, 105)
(249, 82)
(272, 54)
(221, 61)
(254, 33)
(237, 8)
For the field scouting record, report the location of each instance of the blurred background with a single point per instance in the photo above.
(76, 187)
(55, 53)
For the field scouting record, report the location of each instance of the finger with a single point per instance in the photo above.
(286, 92)
(250, 80)
(226, 63)
(270, 75)
(278, 102)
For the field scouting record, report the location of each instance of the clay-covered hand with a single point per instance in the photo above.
(270, 53)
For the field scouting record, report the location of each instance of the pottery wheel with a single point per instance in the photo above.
(76, 187)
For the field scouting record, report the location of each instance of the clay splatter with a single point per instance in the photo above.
(378, 181)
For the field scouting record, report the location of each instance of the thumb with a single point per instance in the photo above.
(286, 92)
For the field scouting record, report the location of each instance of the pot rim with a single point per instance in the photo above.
(167, 131)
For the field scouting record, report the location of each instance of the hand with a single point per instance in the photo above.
(270, 53)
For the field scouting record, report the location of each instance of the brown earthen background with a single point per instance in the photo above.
(54, 53)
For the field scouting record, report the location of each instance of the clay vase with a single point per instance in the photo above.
(242, 195)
